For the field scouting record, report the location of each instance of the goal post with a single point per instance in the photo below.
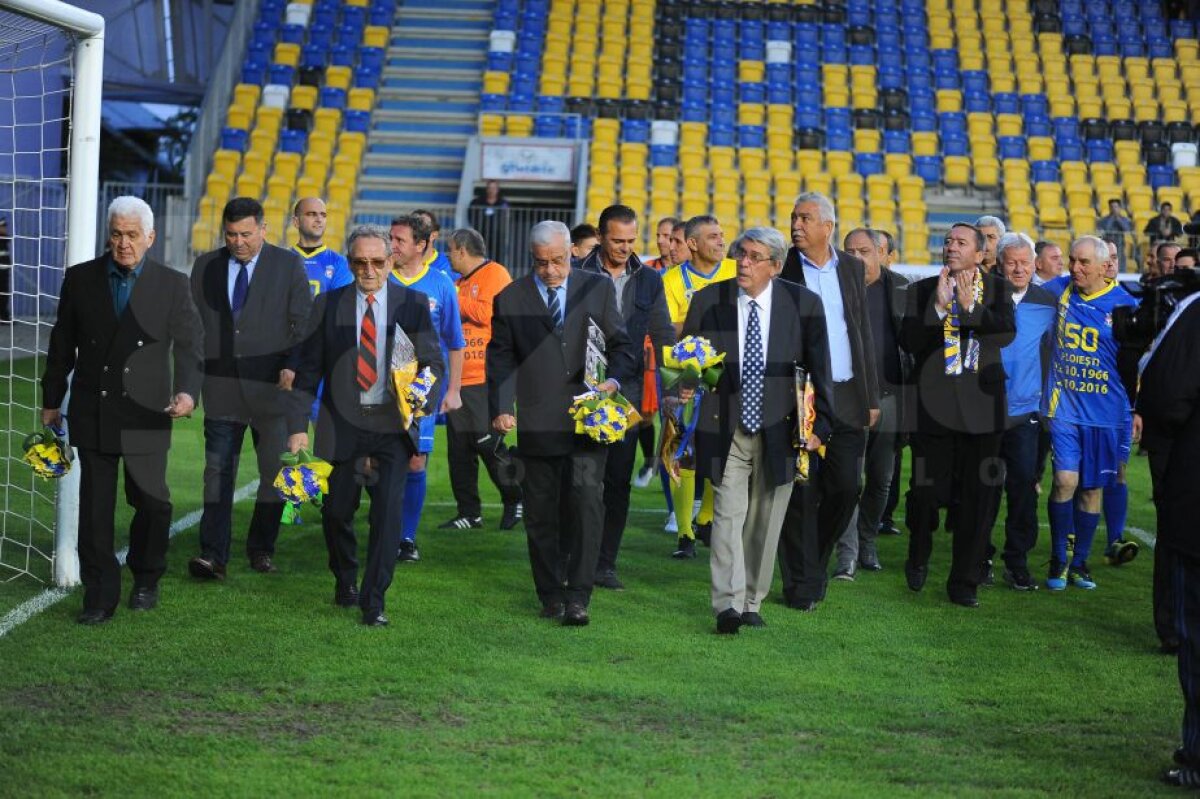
(84, 33)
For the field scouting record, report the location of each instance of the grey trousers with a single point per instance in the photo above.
(863, 528)
(747, 517)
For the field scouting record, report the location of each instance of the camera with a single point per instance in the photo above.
(1135, 327)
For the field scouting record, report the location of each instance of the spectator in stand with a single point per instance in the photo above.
(1025, 366)
(666, 258)
(643, 308)
(1117, 227)
(885, 310)
(1047, 263)
(1165, 257)
(992, 228)
(410, 268)
(469, 435)
(1163, 227)
(584, 238)
(489, 215)
(434, 257)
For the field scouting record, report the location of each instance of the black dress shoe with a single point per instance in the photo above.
(1182, 777)
(685, 549)
(886, 527)
(93, 616)
(729, 622)
(513, 514)
(206, 569)
(752, 619)
(608, 579)
(803, 605)
(1169, 646)
(262, 564)
(375, 618)
(704, 533)
(915, 575)
(966, 600)
(143, 598)
(553, 610)
(870, 563)
(575, 615)
(345, 596)
(1182, 758)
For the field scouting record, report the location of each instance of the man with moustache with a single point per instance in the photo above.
(992, 228)
(1048, 262)
(955, 326)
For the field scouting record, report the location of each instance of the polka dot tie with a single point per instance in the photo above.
(752, 373)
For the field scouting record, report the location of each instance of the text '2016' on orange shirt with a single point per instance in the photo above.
(476, 291)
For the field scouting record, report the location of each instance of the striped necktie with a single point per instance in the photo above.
(367, 374)
(554, 307)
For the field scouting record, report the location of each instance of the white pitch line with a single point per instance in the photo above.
(52, 596)
(1148, 539)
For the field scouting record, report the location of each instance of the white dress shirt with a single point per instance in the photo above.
(764, 319)
(378, 392)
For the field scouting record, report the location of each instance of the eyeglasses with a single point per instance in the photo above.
(374, 263)
(752, 257)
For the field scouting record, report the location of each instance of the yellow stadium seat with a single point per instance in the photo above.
(634, 154)
(926, 143)
(1003, 83)
(692, 133)
(836, 96)
(913, 213)
(835, 75)
(867, 140)
(491, 124)
(287, 53)
(1176, 111)
(361, 99)
(721, 158)
(880, 188)
(979, 124)
(986, 172)
(911, 189)
(809, 161)
(286, 165)
(787, 186)
(983, 147)
(821, 182)
(1079, 196)
(238, 118)
(245, 95)
(751, 71)
(1090, 108)
(1041, 148)
(839, 163)
(849, 188)
(1049, 195)
(339, 77)
(226, 163)
(1118, 108)
(304, 97)
(957, 171)
(1074, 171)
(897, 165)
(864, 98)
(376, 36)
(726, 182)
(1021, 217)
(1145, 110)
(1054, 216)
(752, 159)
(279, 190)
(1009, 125)
(949, 100)
(495, 82)
(249, 185)
(695, 181)
(1062, 106)
(695, 205)
(218, 188)
(518, 125)
(970, 59)
(1170, 194)
(327, 121)
(751, 114)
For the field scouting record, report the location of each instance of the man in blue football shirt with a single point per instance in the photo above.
(410, 243)
(1087, 407)
(432, 256)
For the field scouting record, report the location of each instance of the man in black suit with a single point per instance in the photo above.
(643, 307)
(359, 428)
(1168, 407)
(254, 300)
(746, 434)
(536, 357)
(885, 309)
(820, 510)
(119, 319)
(955, 327)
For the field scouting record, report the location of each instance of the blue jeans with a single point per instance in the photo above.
(222, 451)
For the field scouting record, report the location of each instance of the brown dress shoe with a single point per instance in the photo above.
(206, 569)
(262, 564)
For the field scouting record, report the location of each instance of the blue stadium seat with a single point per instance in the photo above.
(695, 92)
(282, 74)
(953, 123)
(254, 72)
(1132, 48)
(778, 31)
(1183, 29)
(550, 103)
(1038, 126)
(342, 55)
(929, 168)
(867, 164)
(724, 116)
(635, 130)
(1161, 48)
(271, 9)
(891, 76)
(1044, 171)
(723, 96)
(720, 135)
(234, 139)
(923, 121)
(293, 141)
(292, 34)
(842, 141)
(945, 78)
(1099, 150)
(547, 126)
(1066, 128)
(977, 102)
(1069, 150)
(945, 59)
(500, 62)
(807, 34)
(1013, 147)
(834, 53)
(862, 54)
(1006, 103)
(320, 34)
(664, 155)
(520, 102)
(1074, 25)
(751, 135)
(1104, 46)
(752, 92)
(779, 76)
(333, 97)
(1035, 105)
(897, 141)
(493, 102)
(1161, 175)
(372, 57)
(838, 119)
(386, 17)
(954, 144)
(694, 112)
(975, 81)
(808, 116)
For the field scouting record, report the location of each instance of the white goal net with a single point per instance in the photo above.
(49, 152)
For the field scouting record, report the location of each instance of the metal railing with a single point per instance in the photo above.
(505, 230)
(172, 219)
(212, 113)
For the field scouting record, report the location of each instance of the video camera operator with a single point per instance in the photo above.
(1169, 406)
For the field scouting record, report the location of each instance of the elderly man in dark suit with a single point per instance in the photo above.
(956, 324)
(359, 428)
(1168, 407)
(254, 300)
(120, 317)
(819, 511)
(536, 357)
(643, 307)
(746, 434)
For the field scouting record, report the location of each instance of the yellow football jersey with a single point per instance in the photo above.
(681, 282)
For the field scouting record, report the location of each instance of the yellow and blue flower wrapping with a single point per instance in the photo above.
(692, 359)
(302, 478)
(603, 419)
(412, 391)
(47, 453)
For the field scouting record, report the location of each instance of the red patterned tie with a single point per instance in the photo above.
(366, 348)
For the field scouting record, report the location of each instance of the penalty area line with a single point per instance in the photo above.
(52, 596)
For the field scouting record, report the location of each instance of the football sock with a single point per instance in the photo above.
(414, 503)
(683, 495)
(1085, 530)
(1062, 523)
(705, 516)
(1116, 507)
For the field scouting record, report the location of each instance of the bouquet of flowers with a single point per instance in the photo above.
(412, 387)
(302, 478)
(47, 452)
(602, 418)
(694, 364)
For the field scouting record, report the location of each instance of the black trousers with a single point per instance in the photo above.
(469, 439)
(618, 474)
(147, 493)
(1185, 588)
(818, 512)
(564, 514)
(1165, 602)
(1018, 452)
(383, 477)
(893, 498)
(222, 453)
(935, 460)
